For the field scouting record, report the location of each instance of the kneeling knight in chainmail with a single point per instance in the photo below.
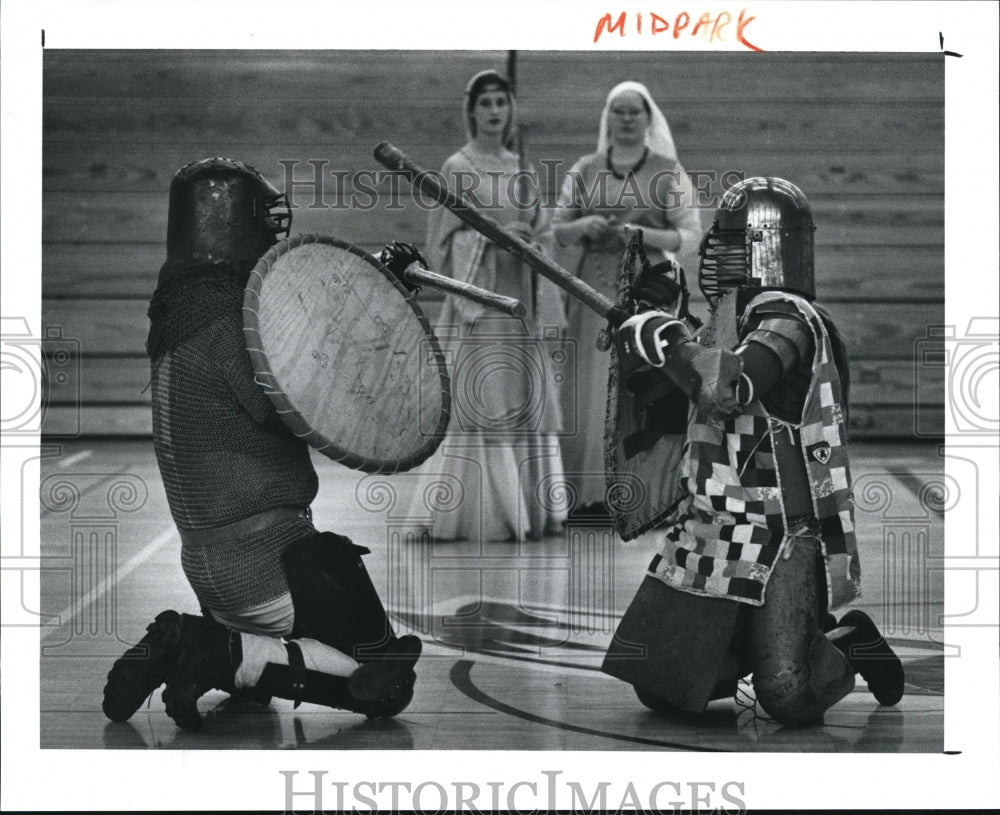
(287, 611)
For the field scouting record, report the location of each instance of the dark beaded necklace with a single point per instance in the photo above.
(634, 169)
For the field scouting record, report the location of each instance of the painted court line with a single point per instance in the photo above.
(120, 572)
(76, 458)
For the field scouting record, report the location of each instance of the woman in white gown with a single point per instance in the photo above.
(633, 180)
(498, 473)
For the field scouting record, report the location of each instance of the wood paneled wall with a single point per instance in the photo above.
(862, 134)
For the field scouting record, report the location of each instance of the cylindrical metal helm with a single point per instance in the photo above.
(762, 237)
(222, 211)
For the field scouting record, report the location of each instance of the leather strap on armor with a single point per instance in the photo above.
(317, 688)
(297, 672)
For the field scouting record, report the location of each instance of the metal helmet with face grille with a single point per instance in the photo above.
(222, 211)
(762, 237)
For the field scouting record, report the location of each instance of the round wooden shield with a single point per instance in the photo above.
(346, 355)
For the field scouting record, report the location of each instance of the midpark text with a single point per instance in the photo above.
(719, 27)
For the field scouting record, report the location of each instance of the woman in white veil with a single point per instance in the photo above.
(633, 180)
(658, 136)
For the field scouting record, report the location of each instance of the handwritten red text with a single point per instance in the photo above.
(720, 27)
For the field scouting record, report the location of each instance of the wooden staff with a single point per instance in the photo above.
(516, 140)
(395, 159)
(418, 275)
(516, 143)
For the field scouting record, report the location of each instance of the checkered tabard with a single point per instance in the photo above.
(731, 525)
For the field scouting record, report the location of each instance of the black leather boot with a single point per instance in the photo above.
(378, 689)
(209, 655)
(317, 688)
(143, 667)
(870, 656)
(335, 600)
(383, 674)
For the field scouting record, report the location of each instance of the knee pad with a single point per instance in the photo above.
(788, 698)
(830, 672)
(800, 694)
(334, 599)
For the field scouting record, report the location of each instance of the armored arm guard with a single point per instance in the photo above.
(777, 343)
(780, 328)
(707, 377)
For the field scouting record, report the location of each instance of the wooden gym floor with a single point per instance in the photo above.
(513, 635)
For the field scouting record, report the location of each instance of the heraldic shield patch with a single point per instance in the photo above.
(820, 451)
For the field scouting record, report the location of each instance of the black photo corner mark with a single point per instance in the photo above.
(941, 45)
(43, 38)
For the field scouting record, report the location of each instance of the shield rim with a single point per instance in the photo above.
(287, 411)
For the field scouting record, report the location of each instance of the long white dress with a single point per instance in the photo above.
(498, 474)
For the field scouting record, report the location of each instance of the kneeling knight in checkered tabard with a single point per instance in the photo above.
(760, 544)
